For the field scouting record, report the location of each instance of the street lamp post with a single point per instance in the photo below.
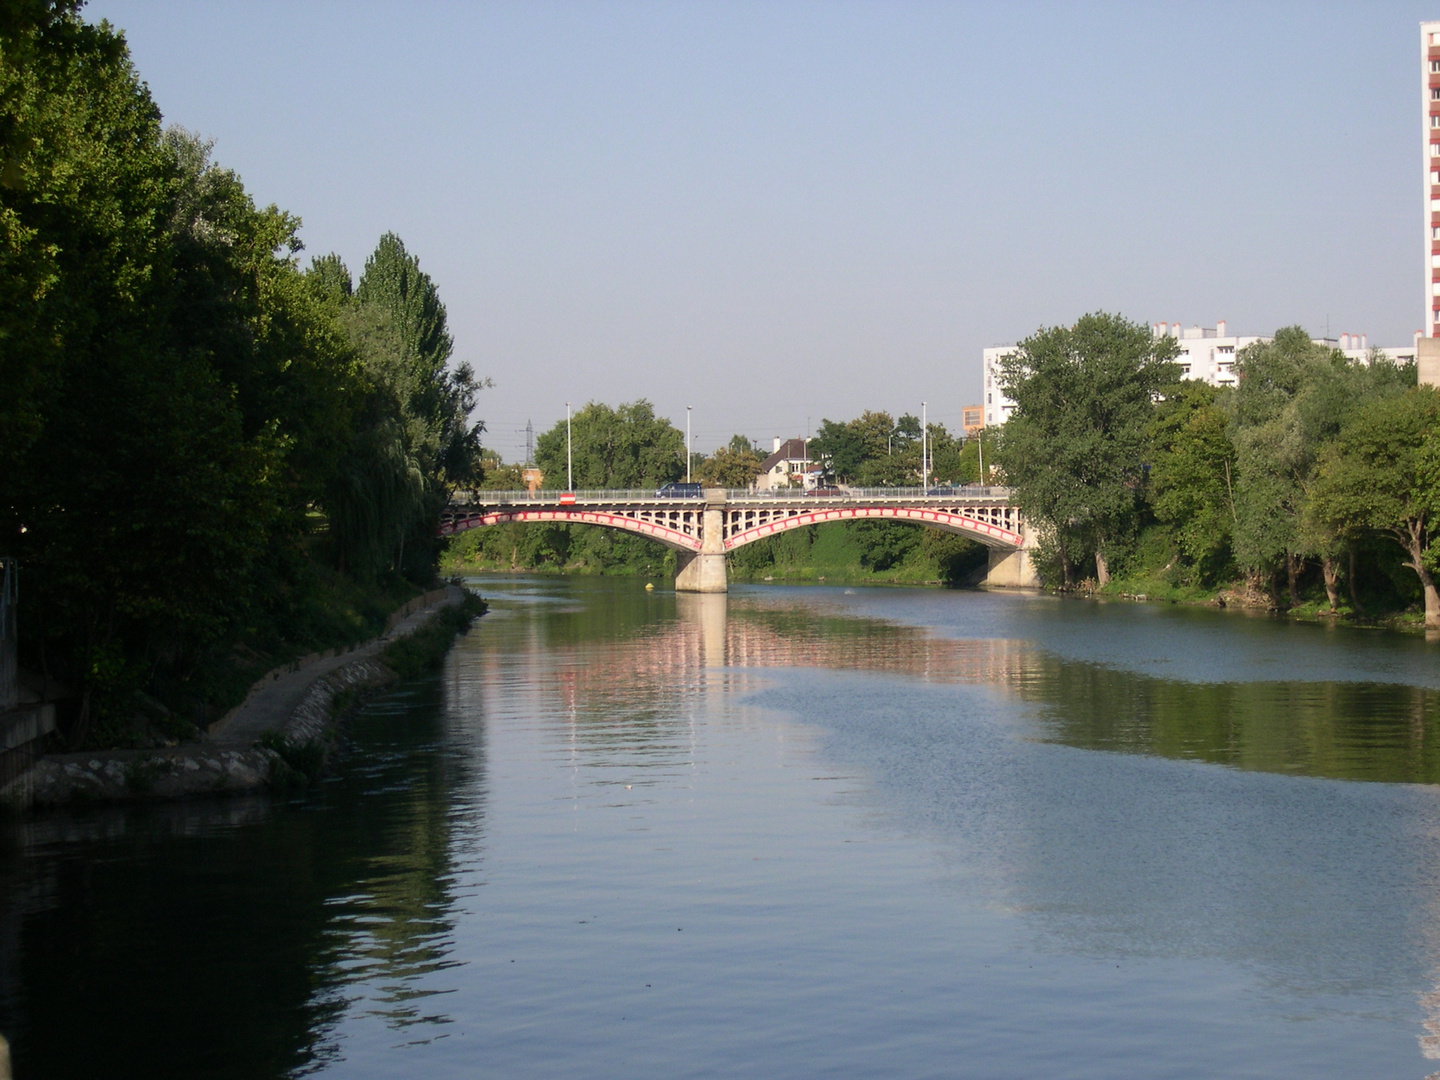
(687, 444)
(924, 448)
(569, 466)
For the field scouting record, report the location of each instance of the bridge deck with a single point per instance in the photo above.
(733, 497)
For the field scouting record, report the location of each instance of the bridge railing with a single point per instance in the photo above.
(549, 496)
(648, 495)
(883, 494)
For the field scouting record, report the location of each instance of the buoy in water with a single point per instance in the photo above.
(649, 586)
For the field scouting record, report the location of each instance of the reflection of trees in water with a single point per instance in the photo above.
(1142, 868)
(637, 681)
(1349, 731)
(228, 939)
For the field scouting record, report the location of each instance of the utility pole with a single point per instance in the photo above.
(980, 449)
(569, 467)
(688, 451)
(529, 443)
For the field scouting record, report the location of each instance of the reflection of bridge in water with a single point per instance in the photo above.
(704, 529)
(623, 686)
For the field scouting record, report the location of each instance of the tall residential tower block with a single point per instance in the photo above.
(1427, 347)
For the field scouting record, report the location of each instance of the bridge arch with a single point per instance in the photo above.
(993, 536)
(671, 538)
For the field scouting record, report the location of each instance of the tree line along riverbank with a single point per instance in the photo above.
(213, 459)
(1312, 486)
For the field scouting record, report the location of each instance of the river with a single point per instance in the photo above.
(791, 832)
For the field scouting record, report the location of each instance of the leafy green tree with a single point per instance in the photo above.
(841, 448)
(85, 189)
(171, 396)
(741, 444)
(623, 447)
(874, 450)
(977, 448)
(413, 440)
(885, 544)
(1073, 448)
(1292, 400)
(1383, 474)
(1192, 466)
(729, 468)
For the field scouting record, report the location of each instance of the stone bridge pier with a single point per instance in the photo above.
(704, 570)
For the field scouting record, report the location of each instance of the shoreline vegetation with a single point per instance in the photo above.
(213, 458)
(1309, 485)
(276, 745)
(857, 553)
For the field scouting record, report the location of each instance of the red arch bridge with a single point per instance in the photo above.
(703, 529)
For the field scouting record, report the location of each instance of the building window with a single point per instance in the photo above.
(1435, 39)
(1435, 66)
(989, 399)
(1435, 121)
(1184, 369)
(1435, 149)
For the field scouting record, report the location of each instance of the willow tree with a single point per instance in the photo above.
(1073, 449)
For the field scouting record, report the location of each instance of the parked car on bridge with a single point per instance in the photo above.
(681, 491)
(824, 491)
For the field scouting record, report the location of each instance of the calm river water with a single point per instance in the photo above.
(784, 833)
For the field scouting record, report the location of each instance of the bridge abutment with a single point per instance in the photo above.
(1012, 569)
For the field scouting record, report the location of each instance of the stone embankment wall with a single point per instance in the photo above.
(200, 768)
(209, 766)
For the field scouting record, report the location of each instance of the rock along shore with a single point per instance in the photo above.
(292, 709)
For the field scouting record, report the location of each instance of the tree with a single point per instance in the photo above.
(741, 444)
(1383, 473)
(873, 450)
(172, 395)
(841, 447)
(1292, 399)
(624, 447)
(1073, 448)
(413, 440)
(85, 189)
(1192, 466)
(729, 468)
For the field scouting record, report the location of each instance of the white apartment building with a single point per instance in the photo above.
(1430, 135)
(1206, 353)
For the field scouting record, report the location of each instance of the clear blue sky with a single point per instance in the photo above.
(777, 212)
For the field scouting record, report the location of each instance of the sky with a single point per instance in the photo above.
(775, 213)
